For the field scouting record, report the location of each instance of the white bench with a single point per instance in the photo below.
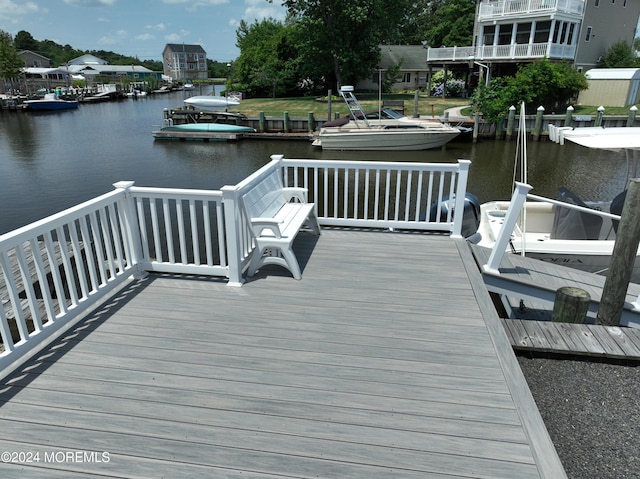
(277, 214)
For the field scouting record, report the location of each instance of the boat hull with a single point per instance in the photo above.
(53, 105)
(211, 103)
(209, 127)
(364, 139)
(592, 255)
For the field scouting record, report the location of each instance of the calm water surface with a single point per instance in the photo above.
(51, 161)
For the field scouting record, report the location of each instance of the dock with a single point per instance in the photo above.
(386, 360)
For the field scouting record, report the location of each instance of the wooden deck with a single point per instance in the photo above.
(538, 281)
(387, 360)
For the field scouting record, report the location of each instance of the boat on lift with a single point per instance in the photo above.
(211, 102)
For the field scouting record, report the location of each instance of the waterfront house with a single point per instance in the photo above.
(185, 62)
(34, 60)
(510, 32)
(413, 71)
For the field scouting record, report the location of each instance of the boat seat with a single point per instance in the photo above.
(570, 224)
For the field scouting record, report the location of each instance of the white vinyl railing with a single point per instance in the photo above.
(502, 52)
(527, 7)
(383, 195)
(58, 268)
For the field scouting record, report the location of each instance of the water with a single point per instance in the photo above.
(51, 161)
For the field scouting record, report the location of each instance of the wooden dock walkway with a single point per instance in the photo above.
(538, 281)
(387, 360)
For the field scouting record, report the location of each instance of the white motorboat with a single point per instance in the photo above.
(211, 103)
(51, 102)
(399, 133)
(575, 235)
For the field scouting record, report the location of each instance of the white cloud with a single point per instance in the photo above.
(145, 37)
(159, 27)
(9, 8)
(90, 3)
(172, 38)
(113, 38)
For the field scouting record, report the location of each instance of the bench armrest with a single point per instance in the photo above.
(299, 194)
(272, 224)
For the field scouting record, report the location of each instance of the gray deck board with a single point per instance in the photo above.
(385, 360)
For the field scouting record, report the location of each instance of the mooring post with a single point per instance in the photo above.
(568, 116)
(476, 123)
(624, 254)
(571, 305)
(510, 120)
(599, 116)
(261, 122)
(311, 122)
(537, 128)
(285, 120)
(416, 97)
(632, 116)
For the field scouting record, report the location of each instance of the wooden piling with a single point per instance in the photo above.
(571, 305)
(623, 258)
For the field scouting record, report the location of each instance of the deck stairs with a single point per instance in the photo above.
(346, 92)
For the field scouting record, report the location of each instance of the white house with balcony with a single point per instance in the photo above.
(510, 32)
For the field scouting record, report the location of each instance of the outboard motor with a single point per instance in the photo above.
(470, 219)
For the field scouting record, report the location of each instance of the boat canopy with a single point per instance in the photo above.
(613, 139)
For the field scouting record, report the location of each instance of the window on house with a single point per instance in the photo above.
(588, 37)
(488, 34)
(504, 34)
(563, 38)
(543, 29)
(572, 29)
(406, 77)
(597, 3)
(523, 32)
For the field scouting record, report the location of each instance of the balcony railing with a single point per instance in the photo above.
(55, 270)
(504, 8)
(502, 52)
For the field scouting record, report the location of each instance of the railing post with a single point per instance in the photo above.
(233, 223)
(132, 229)
(515, 206)
(461, 189)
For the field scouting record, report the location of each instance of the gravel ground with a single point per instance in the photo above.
(592, 412)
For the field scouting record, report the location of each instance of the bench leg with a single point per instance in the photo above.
(284, 257)
(312, 223)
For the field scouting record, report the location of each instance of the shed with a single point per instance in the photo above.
(611, 87)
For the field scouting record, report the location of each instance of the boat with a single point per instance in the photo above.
(211, 102)
(209, 127)
(188, 86)
(50, 102)
(202, 131)
(386, 132)
(567, 235)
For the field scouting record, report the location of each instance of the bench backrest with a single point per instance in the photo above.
(266, 197)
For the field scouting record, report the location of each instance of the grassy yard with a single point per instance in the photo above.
(427, 105)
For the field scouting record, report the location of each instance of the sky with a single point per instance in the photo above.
(139, 28)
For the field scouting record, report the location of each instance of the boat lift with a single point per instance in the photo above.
(346, 92)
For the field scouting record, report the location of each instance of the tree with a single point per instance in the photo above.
(619, 55)
(438, 23)
(540, 83)
(10, 63)
(268, 61)
(24, 41)
(339, 40)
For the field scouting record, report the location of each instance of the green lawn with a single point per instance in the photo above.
(427, 105)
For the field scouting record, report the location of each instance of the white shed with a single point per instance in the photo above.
(611, 87)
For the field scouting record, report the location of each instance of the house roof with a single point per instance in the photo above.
(87, 59)
(99, 69)
(613, 74)
(24, 52)
(183, 47)
(413, 57)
